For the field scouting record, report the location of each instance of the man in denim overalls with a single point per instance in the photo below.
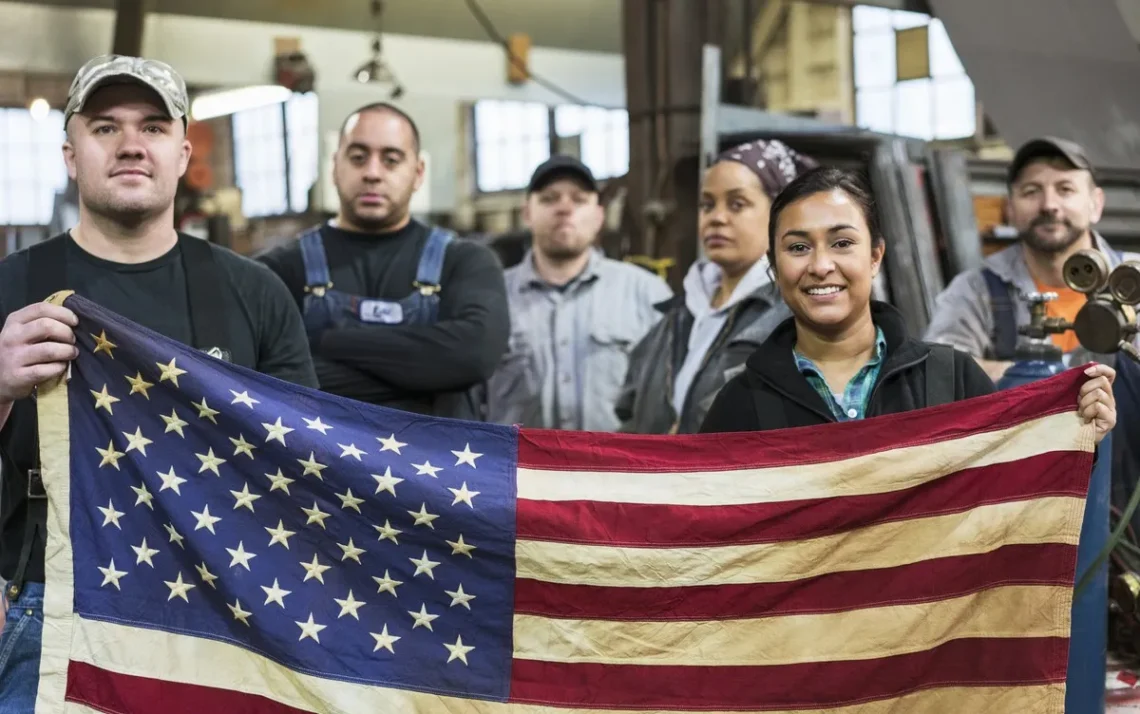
(398, 313)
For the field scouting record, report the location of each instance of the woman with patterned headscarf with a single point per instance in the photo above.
(729, 303)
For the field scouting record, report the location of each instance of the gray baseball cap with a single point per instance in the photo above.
(118, 69)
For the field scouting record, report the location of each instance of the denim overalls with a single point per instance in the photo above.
(326, 307)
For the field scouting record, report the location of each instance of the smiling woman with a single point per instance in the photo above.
(841, 356)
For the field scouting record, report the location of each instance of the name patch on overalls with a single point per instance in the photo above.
(381, 311)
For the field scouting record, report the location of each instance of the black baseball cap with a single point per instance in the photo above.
(1049, 146)
(561, 166)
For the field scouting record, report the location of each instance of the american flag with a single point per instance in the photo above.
(221, 541)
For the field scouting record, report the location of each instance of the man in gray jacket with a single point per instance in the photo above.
(1054, 202)
(575, 314)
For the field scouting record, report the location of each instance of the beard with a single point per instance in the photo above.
(126, 210)
(1051, 244)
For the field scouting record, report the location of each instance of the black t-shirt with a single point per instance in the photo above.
(405, 366)
(264, 327)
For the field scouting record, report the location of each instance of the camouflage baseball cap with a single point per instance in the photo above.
(119, 69)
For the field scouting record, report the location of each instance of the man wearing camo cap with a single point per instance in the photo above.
(126, 149)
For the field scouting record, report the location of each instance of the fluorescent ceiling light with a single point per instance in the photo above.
(217, 104)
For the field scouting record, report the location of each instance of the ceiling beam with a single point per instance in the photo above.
(912, 5)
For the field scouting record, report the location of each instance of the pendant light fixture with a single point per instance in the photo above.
(376, 70)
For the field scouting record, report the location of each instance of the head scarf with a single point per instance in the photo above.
(775, 163)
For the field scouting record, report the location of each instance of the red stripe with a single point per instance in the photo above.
(577, 451)
(126, 694)
(1051, 564)
(958, 663)
(639, 525)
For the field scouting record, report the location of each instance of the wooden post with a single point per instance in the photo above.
(130, 19)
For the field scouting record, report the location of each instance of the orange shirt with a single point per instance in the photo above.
(1068, 303)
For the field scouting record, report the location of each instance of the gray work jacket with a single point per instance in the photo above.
(569, 346)
(963, 313)
(646, 404)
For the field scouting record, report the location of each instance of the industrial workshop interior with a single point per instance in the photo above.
(533, 118)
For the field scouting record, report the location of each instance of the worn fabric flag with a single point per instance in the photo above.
(220, 541)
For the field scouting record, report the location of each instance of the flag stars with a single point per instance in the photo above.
(316, 425)
(316, 515)
(462, 495)
(244, 498)
(104, 400)
(276, 431)
(314, 570)
(175, 537)
(110, 456)
(205, 412)
(139, 385)
(387, 482)
(350, 450)
(111, 576)
(387, 584)
(459, 547)
(350, 551)
(347, 500)
(384, 640)
(387, 532)
(170, 372)
(210, 462)
(144, 553)
(178, 588)
(458, 597)
(424, 565)
(241, 446)
(467, 456)
(240, 615)
(458, 650)
(240, 556)
(423, 518)
(390, 444)
(280, 535)
(144, 496)
(102, 344)
(312, 467)
(243, 398)
(205, 520)
(110, 515)
(349, 606)
(137, 442)
(279, 481)
(174, 423)
(276, 594)
(422, 618)
(426, 469)
(311, 630)
(206, 575)
(171, 481)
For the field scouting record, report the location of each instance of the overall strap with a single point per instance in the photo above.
(1005, 319)
(205, 286)
(940, 376)
(317, 277)
(431, 261)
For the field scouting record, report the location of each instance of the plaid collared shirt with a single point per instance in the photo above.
(852, 404)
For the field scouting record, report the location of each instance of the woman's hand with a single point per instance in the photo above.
(1096, 402)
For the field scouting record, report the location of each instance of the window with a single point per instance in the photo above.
(31, 166)
(267, 141)
(934, 99)
(512, 138)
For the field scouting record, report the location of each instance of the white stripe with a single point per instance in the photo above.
(883, 472)
(208, 663)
